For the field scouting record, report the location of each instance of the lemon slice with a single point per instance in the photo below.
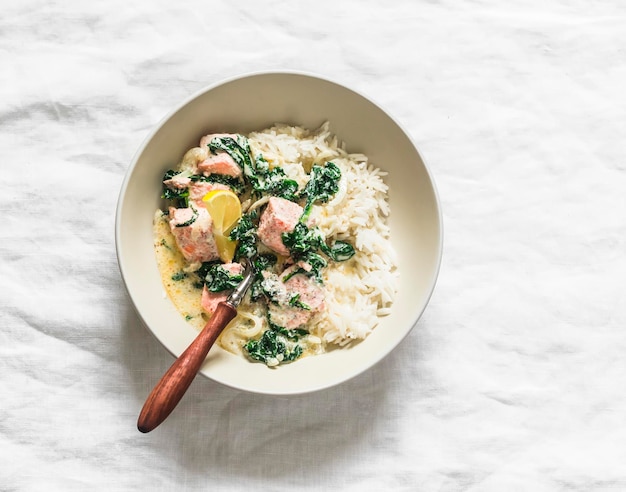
(224, 208)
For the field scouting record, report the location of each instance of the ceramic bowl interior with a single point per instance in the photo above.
(254, 102)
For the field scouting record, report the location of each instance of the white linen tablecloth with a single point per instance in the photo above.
(513, 380)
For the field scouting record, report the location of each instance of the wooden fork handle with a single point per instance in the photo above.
(174, 383)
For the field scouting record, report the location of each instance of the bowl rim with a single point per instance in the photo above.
(307, 74)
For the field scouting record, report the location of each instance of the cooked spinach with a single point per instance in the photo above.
(302, 239)
(246, 233)
(202, 272)
(217, 278)
(273, 182)
(272, 347)
(304, 242)
(180, 197)
(260, 264)
(178, 276)
(294, 334)
(296, 302)
(233, 183)
(338, 251)
(263, 262)
(322, 185)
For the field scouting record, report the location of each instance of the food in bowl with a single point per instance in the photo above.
(245, 104)
(311, 217)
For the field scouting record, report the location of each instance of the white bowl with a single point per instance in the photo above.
(253, 102)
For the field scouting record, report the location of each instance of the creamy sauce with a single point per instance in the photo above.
(183, 293)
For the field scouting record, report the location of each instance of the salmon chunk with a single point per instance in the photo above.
(198, 189)
(220, 163)
(210, 300)
(178, 182)
(279, 216)
(195, 241)
(298, 300)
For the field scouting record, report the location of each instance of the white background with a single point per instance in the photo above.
(513, 380)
